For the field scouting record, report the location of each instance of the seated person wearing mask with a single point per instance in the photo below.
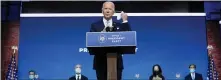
(78, 75)
(157, 73)
(32, 75)
(193, 75)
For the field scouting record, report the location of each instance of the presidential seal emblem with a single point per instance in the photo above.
(102, 38)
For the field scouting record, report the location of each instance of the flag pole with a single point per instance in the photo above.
(212, 66)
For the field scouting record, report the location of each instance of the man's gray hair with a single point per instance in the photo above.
(110, 3)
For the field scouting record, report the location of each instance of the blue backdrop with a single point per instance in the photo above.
(53, 46)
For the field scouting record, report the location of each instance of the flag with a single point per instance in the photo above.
(12, 69)
(212, 73)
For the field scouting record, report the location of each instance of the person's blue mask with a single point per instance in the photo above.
(192, 70)
(31, 76)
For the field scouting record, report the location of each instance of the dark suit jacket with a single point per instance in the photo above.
(197, 77)
(100, 59)
(82, 78)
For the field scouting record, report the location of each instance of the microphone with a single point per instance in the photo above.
(108, 29)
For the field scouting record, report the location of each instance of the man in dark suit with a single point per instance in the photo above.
(100, 59)
(193, 75)
(33, 75)
(78, 75)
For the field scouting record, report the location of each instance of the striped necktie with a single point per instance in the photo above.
(108, 24)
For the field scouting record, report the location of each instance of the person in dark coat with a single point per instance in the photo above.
(157, 73)
(78, 75)
(100, 59)
(193, 75)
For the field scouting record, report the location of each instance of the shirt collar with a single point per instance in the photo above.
(105, 22)
(192, 74)
(76, 76)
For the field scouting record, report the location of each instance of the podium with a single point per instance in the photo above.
(111, 43)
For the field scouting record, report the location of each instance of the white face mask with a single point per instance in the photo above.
(192, 70)
(31, 76)
(78, 70)
(36, 76)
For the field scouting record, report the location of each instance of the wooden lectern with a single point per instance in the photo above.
(111, 66)
(111, 49)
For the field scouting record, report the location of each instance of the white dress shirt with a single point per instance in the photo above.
(76, 76)
(193, 76)
(109, 23)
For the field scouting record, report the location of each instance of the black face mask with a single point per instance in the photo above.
(157, 72)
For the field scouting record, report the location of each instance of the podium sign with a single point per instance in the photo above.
(112, 44)
(111, 39)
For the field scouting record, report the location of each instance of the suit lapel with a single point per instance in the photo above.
(101, 25)
(190, 77)
(114, 24)
(117, 26)
(82, 77)
(196, 76)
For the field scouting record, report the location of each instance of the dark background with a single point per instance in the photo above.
(11, 9)
(127, 6)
